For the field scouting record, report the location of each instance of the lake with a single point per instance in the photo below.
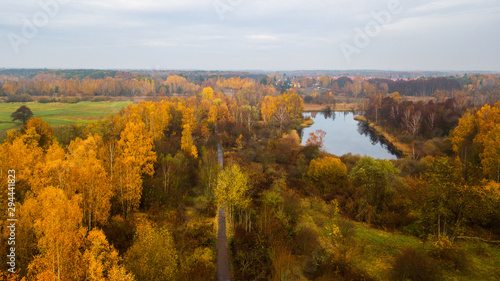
(346, 135)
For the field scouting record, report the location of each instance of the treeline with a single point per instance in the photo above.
(480, 88)
(15, 83)
(424, 87)
(114, 84)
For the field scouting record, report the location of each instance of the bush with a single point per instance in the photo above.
(305, 239)
(45, 100)
(101, 98)
(414, 265)
(450, 254)
(19, 98)
(250, 260)
(70, 100)
(481, 249)
(87, 98)
(341, 269)
(199, 266)
(347, 229)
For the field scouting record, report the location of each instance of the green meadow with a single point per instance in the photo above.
(58, 114)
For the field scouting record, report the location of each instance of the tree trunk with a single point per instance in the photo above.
(413, 148)
(439, 225)
(498, 171)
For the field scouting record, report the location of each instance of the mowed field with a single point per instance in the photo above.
(60, 113)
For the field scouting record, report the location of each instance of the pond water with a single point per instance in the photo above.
(346, 135)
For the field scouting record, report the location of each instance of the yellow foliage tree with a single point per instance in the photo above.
(208, 93)
(293, 102)
(327, 172)
(396, 96)
(57, 224)
(490, 158)
(187, 143)
(153, 255)
(154, 115)
(102, 260)
(53, 171)
(231, 190)
(476, 136)
(22, 156)
(42, 129)
(90, 180)
(268, 108)
(135, 157)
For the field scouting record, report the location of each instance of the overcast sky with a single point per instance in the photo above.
(250, 34)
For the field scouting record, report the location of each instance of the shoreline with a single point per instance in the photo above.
(400, 150)
(385, 137)
(340, 107)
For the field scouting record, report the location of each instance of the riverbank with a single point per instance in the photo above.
(309, 107)
(306, 123)
(401, 148)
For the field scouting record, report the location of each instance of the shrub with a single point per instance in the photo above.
(199, 266)
(347, 229)
(341, 269)
(414, 265)
(87, 98)
(305, 239)
(250, 261)
(450, 254)
(101, 98)
(19, 98)
(45, 100)
(70, 100)
(481, 249)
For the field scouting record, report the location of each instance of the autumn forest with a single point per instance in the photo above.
(138, 195)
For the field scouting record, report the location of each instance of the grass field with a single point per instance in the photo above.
(60, 113)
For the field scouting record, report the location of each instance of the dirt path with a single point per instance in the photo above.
(223, 265)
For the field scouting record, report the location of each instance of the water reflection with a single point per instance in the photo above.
(326, 114)
(365, 130)
(345, 135)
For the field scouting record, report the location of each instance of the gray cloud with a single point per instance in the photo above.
(257, 34)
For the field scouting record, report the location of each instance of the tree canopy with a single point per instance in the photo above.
(23, 114)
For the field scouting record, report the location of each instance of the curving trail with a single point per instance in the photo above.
(223, 265)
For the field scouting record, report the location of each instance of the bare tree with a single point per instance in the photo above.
(395, 113)
(249, 116)
(460, 102)
(431, 120)
(412, 123)
(281, 115)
